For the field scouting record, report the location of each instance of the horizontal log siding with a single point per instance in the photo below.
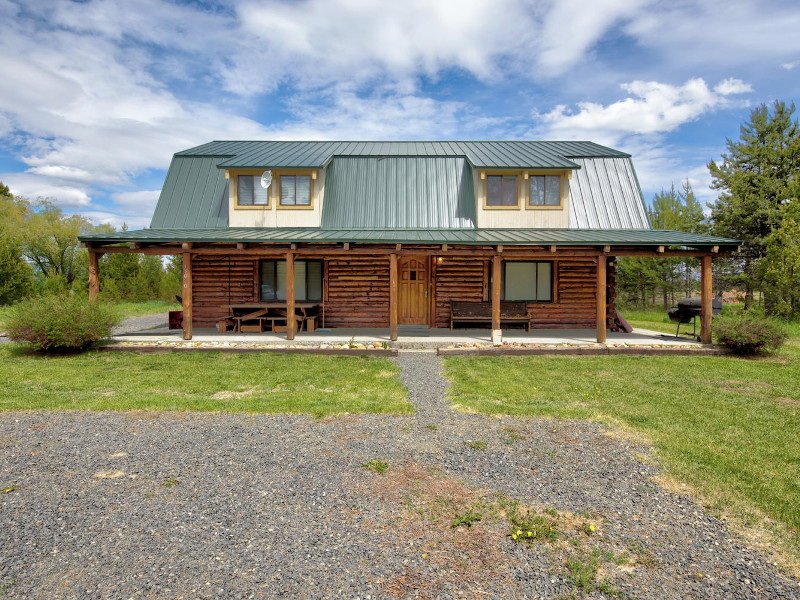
(358, 292)
(456, 278)
(217, 284)
(575, 300)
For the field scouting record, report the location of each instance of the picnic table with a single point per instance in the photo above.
(254, 316)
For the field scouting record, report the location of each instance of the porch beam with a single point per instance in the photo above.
(517, 252)
(291, 323)
(600, 294)
(187, 295)
(706, 312)
(393, 297)
(497, 333)
(94, 273)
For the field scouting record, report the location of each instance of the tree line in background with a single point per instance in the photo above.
(40, 254)
(758, 180)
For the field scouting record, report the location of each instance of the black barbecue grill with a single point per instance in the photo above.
(689, 310)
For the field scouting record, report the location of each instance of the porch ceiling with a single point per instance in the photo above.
(555, 237)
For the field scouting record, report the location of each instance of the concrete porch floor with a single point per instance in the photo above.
(415, 337)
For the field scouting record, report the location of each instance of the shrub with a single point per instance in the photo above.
(747, 334)
(60, 323)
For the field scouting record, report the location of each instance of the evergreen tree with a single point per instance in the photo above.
(756, 177)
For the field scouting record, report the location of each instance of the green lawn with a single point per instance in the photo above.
(729, 427)
(270, 383)
(137, 309)
(125, 309)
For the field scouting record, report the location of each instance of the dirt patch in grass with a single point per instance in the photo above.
(788, 401)
(744, 387)
(230, 394)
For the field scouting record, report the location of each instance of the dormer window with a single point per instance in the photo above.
(295, 190)
(250, 193)
(544, 191)
(502, 191)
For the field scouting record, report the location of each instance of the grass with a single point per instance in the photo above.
(138, 309)
(377, 465)
(249, 383)
(729, 427)
(125, 309)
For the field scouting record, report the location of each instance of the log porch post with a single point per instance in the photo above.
(393, 297)
(497, 333)
(187, 295)
(705, 299)
(601, 299)
(94, 274)
(291, 322)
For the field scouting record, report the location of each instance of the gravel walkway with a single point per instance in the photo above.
(133, 324)
(186, 505)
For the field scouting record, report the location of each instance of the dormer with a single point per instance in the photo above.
(292, 197)
(524, 198)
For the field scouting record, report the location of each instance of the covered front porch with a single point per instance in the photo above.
(382, 280)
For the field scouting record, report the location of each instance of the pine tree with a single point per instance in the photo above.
(755, 179)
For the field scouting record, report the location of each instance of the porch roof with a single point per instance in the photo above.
(567, 237)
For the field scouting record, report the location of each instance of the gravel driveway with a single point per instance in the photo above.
(182, 505)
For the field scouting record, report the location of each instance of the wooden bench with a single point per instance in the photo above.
(481, 312)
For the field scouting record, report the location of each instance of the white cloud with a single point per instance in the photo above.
(99, 217)
(719, 33)
(315, 42)
(572, 27)
(35, 187)
(143, 201)
(651, 108)
(732, 86)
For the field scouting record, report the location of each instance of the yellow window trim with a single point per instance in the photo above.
(562, 190)
(273, 197)
(276, 177)
(234, 178)
(520, 189)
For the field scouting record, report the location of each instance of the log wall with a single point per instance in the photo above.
(457, 278)
(217, 283)
(357, 290)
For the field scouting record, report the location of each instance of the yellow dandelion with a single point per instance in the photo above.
(591, 528)
(530, 533)
(513, 536)
(519, 532)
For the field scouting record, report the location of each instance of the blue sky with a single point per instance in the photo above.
(97, 95)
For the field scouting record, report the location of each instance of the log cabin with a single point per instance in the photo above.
(383, 234)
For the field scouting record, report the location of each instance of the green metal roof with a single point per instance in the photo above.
(398, 192)
(484, 155)
(195, 194)
(570, 237)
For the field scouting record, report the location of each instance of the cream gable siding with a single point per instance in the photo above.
(278, 217)
(522, 217)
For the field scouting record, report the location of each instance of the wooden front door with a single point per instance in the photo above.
(412, 290)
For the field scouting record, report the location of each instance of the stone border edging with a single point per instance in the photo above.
(153, 349)
(584, 351)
